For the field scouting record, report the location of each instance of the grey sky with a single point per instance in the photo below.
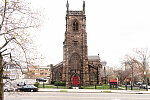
(114, 27)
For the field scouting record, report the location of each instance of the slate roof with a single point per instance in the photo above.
(93, 58)
(58, 65)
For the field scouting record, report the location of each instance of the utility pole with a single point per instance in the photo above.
(145, 72)
(132, 78)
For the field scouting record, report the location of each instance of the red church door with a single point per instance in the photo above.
(75, 81)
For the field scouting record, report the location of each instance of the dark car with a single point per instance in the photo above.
(28, 88)
(144, 86)
(41, 79)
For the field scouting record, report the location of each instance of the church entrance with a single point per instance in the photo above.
(75, 81)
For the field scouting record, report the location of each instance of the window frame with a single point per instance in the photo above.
(75, 26)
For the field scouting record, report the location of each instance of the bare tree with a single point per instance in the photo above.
(139, 63)
(109, 73)
(16, 18)
(122, 74)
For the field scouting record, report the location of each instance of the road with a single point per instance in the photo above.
(73, 96)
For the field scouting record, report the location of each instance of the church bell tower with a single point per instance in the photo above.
(75, 57)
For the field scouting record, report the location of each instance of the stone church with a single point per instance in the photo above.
(77, 68)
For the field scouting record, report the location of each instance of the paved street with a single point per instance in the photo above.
(73, 96)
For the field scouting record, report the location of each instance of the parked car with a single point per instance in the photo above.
(139, 83)
(5, 88)
(41, 79)
(28, 88)
(8, 88)
(144, 86)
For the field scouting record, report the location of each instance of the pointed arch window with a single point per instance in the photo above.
(75, 43)
(57, 76)
(75, 62)
(75, 26)
(92, 77)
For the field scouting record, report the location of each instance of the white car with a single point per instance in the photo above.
(5, 88)
(144, 86)
(8, 88)
(139, 83)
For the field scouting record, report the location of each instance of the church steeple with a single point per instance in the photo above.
(67, 6)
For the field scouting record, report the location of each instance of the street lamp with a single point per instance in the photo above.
(132, 78)
(145, 73)
(57, 76)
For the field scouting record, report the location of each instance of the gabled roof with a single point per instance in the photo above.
(58, 65)
(93, 58)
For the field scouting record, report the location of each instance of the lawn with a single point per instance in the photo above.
(97, 87)
(52, 86)
(105, 86)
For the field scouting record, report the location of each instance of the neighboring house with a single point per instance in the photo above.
(44, 72)
(39, 72)
(14, 72)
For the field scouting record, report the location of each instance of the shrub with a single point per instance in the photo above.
(52, 82)
(81, 87)
(47, 84)
(70, 87)
(36, 84)
(60, 83)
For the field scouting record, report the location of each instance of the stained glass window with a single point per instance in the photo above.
(75, 61)
(92, 76)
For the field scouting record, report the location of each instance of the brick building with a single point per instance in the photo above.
(39, 72)
(77, 68)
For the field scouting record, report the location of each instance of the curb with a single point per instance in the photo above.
(98, 91)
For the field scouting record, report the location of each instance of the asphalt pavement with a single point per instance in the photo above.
(73, 96)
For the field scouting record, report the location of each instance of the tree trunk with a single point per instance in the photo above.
(1, 79)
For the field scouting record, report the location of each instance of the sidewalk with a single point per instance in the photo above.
(92, 91)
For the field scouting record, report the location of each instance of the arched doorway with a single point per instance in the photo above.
(75, 81)
(75, 63)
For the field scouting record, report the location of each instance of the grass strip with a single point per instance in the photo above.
(63, 91)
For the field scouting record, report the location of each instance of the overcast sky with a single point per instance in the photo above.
(114, 27)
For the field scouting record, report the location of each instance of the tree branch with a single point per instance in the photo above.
(3, 17)
(6, 43)
(3, 50)
(6, 54)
